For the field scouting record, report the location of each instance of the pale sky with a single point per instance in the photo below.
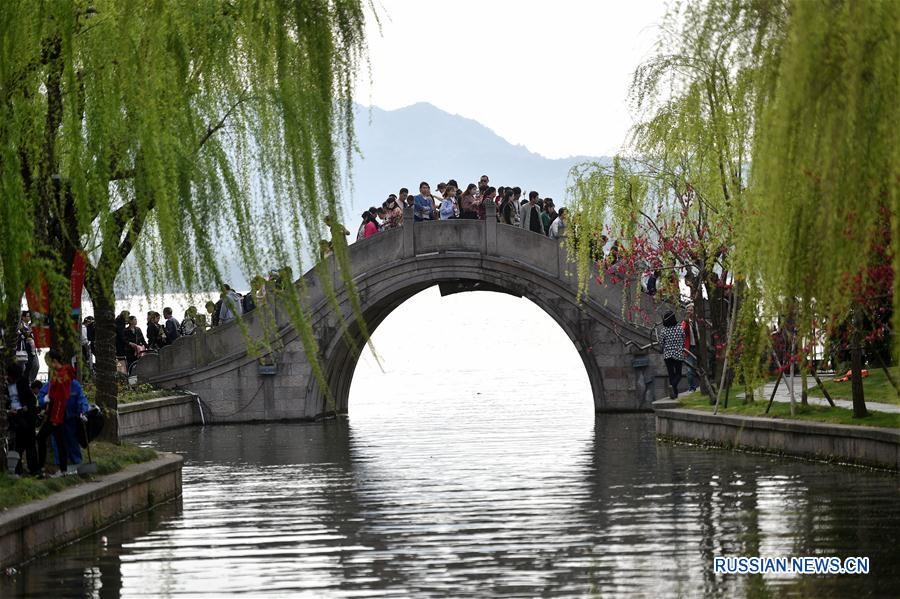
(552, 76)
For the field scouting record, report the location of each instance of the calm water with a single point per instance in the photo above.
(458, 477)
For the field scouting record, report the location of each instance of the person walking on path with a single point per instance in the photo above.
(672, 338)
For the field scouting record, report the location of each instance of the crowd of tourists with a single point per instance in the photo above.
(165, 329)
(451, 201)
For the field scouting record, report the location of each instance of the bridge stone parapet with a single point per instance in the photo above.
(257, 368)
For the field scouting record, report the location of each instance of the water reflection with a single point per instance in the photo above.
(478, 509)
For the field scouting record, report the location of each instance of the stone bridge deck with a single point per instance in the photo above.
(276, 381)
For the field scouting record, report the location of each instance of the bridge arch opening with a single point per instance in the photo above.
(484, 347)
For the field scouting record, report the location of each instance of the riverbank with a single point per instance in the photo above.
(876, 387)
(108, 457)
(37, 527)
(814, 412)
(871, 446)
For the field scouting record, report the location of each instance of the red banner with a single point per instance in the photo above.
(39, 302)
(39, 306)
(78, 267)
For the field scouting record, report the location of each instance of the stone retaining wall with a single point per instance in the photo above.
(40, 526)
(862, 445)
(157, 414)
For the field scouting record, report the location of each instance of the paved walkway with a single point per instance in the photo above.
(784, 395)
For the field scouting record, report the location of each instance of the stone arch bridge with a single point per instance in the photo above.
(625, 372)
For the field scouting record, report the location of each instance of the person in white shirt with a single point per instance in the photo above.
(558, 226)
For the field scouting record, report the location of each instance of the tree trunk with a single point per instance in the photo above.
(804, 395)
(701, 311)
(105, 341)
(856, 366)
(10, 326)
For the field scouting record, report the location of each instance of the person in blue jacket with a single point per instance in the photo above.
(75, 407)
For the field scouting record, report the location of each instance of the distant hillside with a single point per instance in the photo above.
(400, 148)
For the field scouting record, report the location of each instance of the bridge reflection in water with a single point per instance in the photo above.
(389, 268)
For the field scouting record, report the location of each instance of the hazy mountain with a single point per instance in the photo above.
(400, 148)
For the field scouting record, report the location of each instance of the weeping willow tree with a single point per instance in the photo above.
(181, 127)
(826, 172)
(673, 196)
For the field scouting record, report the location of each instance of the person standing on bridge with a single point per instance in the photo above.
(231, 305)
(404, 199)
(423, 206)
(517, 204)
(173, 327)
(507, 210)
(531, 215)
(468, 203)
(449, 206)
(489, 195)
(558, 226)
(672, 338)
(370, 227)
(134, 340)
(393, 213)
(548, 214)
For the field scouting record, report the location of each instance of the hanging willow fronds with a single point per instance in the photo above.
(182, 126)
(176, 132)
(825, 181)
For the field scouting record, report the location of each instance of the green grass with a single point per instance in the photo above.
(781, 411)
(108, 457)
(876, 387)
(131, 394)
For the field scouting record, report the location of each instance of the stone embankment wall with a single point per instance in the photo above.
(40, 526)
(861, 445)
(158, 414)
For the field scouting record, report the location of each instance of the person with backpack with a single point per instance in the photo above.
(672, 337)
